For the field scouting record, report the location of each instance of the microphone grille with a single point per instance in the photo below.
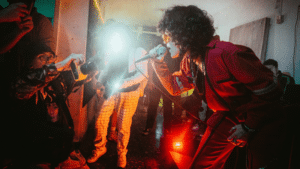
(161, 50)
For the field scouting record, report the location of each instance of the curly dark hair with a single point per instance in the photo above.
(189, 26)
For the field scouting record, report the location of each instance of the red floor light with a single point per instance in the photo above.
(177, 145)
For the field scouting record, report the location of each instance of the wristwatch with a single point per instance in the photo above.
(247, 129)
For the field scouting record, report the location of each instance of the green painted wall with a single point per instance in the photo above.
(45, 7)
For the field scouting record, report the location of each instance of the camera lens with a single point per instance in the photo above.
(88, 67)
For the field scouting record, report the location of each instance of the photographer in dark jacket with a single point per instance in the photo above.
(33, 127)
(38, 125)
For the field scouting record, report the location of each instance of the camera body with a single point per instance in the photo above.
(91, 65)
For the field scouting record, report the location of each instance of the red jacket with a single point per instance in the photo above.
(237, 75)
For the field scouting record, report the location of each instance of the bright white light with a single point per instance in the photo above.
(177, 144)
(117, 85)
(116, 43)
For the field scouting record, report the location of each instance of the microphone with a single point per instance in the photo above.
(90, 65)
(159, 51)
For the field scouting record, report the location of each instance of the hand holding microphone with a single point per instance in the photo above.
(159, 50)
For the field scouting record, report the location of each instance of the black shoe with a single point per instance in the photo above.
(146, 132)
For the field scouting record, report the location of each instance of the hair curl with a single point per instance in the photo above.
(189, 26)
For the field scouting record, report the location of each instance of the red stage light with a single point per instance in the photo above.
(177, 145)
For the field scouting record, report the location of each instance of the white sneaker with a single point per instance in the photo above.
(122, 160)
(96, 154)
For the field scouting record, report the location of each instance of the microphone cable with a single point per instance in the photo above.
(167, 95)
(179, 105)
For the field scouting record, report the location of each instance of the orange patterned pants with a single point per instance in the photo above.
(125, 105)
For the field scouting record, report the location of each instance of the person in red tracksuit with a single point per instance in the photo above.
(240, 90)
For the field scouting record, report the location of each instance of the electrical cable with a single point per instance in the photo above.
(196, 118)
(167, 95)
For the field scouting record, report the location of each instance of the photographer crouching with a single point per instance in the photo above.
(40, 128)
(36, 126)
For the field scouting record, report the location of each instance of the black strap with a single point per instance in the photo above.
(219, 97)
(60, 94)
(212, 88)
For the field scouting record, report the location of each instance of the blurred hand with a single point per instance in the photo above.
(89, 77)
(100, 89)
(14, 12)
(239, 136)
(77, 58)
(26, 25)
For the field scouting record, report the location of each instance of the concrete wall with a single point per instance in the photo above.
(227, 14)
(45, 7)
(281, 39)
(70, 25)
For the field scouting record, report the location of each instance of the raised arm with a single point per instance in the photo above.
(13, 13)
(176, 83)
(28, 83)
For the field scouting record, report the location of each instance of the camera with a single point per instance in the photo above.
(91, 65)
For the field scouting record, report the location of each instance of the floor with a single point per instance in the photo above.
(158, 150)
(161, 150)
(154, 151)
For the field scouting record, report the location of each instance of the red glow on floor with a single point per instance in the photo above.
(182, 161)
(177, 145)
(177, 139)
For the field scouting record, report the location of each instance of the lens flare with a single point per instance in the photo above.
(117, 85)
(116, 43)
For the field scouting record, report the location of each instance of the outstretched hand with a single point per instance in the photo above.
(153, 52)
(77, 58)
(100, 89)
